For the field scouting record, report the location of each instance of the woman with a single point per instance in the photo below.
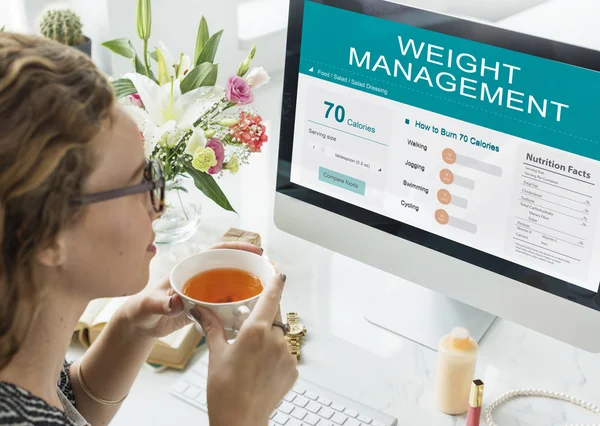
(63, 141)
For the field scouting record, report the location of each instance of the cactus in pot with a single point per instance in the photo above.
(64, 26)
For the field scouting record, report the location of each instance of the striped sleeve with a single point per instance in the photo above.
(64, 382)
(18, 407)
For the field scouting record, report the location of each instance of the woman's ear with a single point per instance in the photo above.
(54, 254)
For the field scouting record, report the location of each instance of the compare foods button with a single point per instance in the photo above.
(341, 181)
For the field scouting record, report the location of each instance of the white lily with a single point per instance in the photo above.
(171, 68)
(167, 110)
(197, 140)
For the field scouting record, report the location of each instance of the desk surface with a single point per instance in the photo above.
(346, 353)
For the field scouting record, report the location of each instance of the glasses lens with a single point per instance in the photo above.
(159, 191)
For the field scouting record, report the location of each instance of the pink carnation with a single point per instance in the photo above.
(238, 91)
(216, 145)
(250, 131)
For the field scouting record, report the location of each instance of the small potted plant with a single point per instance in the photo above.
(64, 26)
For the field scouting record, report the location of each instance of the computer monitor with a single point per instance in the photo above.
(461, 157)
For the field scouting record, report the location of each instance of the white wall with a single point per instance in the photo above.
(175, 22)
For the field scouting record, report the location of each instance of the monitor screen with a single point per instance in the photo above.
(472, 140)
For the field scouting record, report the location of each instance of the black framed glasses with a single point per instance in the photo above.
(154, 183)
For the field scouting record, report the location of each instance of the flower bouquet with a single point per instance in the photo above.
(195, 128)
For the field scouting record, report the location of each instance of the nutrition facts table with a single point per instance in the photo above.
(554, 215)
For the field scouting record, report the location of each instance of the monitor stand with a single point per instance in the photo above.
(424, 316)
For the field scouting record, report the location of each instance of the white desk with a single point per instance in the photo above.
(344, 352)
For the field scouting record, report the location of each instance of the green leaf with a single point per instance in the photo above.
(209, 187)
(177, 188)
(201, 39)
(123, 87)
(124, 47)
(121, 46)
(210, 49)
(2, 29)
(154, 56)
(139, 66)
(203, 75)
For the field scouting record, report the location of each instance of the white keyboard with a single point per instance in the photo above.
(307, 404)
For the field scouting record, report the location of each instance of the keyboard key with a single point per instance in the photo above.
(352, 422)
(338, 407)
(286, 407)
(325, 423)
(299, 413)
(293, 422)
(290, 397)
(281, 418)
(201, 398)
(180, 387)
(324, 401)
(300, 401)
(351, 413)
(311, 395)
(201, 370)
(339, 419)
(313, 407)
(376, 423)
(299, 391)
(192, 392)
(311, 419)
(364, 419)
(326, 413)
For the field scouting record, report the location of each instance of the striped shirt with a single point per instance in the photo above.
(19, 407)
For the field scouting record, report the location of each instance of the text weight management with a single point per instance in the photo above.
(466, 87)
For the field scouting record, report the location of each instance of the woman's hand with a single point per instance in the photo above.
(248, 378)
(157, 311)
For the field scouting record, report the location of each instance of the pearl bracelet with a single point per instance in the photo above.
(538, 392)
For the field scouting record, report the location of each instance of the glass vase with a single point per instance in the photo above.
(182, 215)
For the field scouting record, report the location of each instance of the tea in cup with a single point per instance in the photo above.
(226, 281)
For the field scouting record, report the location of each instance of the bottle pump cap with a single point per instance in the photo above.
(459, 338)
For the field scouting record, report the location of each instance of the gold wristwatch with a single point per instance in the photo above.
(296, 334)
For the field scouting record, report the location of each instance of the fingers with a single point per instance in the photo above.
(212, 327)
(238, 245)
(175, 305)
(267, 305)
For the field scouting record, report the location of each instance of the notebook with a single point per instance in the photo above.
(172, 351)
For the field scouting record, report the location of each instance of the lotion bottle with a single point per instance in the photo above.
(455, 371)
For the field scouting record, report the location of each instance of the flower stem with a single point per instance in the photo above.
(146, 57)
(182, 207)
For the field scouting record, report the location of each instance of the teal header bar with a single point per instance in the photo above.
(342, 181)
(537, 99)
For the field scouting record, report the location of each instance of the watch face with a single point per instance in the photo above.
(296, 329)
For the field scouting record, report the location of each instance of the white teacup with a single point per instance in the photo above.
(233, 314)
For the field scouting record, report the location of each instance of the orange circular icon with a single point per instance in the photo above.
(447, 176)
(444, 196)
(449, 156)
(441, 216)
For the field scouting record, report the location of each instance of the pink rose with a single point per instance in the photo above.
(238, 91)
(136, 100)
(216, 145)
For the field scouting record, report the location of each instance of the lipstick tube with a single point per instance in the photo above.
(475, 403)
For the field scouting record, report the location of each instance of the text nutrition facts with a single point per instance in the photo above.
(554, 217)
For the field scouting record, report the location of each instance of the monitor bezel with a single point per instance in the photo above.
(453, 26)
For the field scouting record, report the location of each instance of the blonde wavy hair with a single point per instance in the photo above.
(53, 101)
